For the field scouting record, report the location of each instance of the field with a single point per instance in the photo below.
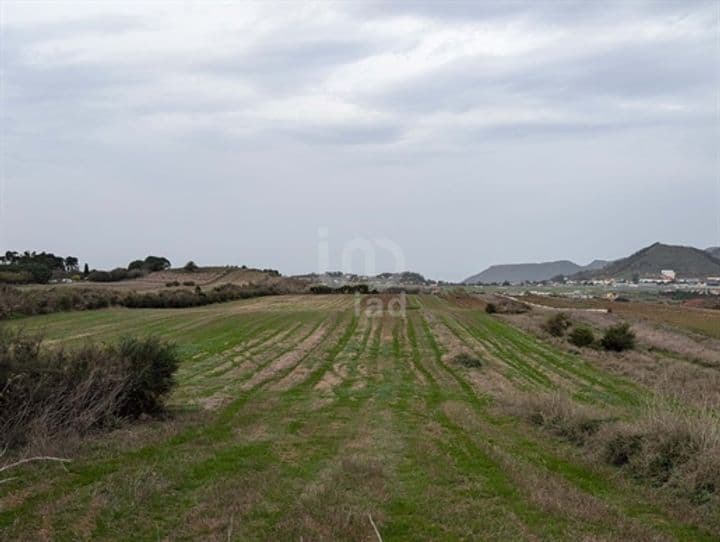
(205, 277)
(697, 320)
(303, 418)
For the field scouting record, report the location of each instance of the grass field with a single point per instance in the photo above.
(296, 418)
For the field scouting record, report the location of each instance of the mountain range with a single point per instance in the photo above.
(687, 262)
(532, 272)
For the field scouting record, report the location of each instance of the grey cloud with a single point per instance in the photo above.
(102, 146)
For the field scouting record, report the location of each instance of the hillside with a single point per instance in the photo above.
(525, 272)
(687, 262)
(713, 251)
(204, 277)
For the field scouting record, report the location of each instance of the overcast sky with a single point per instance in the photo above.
(461, 134)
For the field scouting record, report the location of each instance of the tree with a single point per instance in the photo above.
(136, 264)
(86, 270)
(190, 267)
(156, 263)
(71, 264)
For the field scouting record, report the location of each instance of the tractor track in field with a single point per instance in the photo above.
(320, 418)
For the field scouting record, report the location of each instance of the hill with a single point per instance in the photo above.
(713, 251)
(531, 272)
(687, 262)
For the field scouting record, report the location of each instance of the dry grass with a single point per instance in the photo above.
(674, 449)
(671, 363)
(698, 320)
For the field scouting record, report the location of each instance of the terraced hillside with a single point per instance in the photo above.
(300, 418)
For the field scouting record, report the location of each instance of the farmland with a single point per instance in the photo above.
(299, 417)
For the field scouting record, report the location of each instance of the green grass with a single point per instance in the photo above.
(353, 417)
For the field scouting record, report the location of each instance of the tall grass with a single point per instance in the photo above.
(674, 448)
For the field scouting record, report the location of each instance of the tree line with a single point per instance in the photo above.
(27, 266)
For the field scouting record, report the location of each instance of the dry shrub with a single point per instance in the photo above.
(673, 449)
(677, 450)
(505, 305)
(557, 324)
(56, 394)
(561, 416)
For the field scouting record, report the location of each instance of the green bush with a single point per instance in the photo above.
(557, 324)
(491, 308)
(618, 338)
(115, 275)
(51, 393)
(150, 365)
(582, 336)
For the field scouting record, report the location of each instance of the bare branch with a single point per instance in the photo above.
(377, 533)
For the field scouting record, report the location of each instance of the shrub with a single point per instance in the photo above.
(618, 338)
(562, 417)
(621, 447)
(491, 308)
(189, 283)
(110, 276)
(190, 267)
(52, 393)
(172, 284)
(677, 450)
(15, 302)
(150, 365)
(582, 336)
(557, 324)
(467, 360)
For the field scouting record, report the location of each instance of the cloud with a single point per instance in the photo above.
(363, 93)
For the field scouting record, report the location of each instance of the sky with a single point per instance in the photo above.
(438, 137)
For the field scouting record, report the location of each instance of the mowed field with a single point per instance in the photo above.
(301, 418)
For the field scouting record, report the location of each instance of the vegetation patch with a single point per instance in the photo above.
(50, 393)
(676, 451)
(557, 324)
(618, 338)
(582, 336)
(467, 360)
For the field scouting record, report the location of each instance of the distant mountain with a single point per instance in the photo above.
(595, 265)
(713, 251)
(531, 272)
(687, 262)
